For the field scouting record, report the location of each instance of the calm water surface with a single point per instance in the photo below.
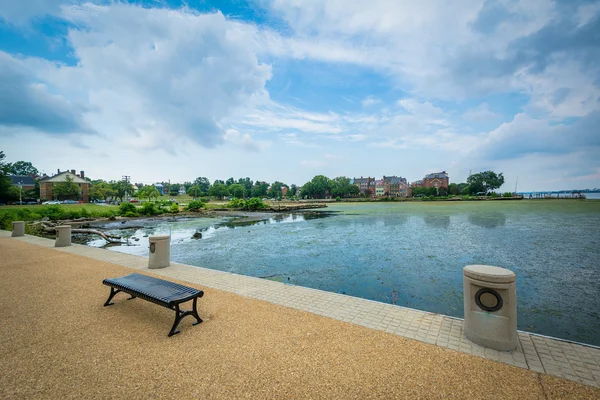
(412, 254)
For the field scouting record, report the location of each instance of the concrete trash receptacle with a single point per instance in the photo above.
(490, 297)
(63, 236)
(160, 251)
(18, 228)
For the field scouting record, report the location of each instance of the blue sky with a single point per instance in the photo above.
(285, 90)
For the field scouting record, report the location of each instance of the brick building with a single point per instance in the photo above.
(364, 184)
(437, 180)
(46, 185)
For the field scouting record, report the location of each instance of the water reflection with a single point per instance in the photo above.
(437, 221)
(396, 220)
(488, 220)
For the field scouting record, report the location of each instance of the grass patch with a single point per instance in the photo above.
(8, 214)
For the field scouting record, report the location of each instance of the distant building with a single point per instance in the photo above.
(364, 184)
(379, 188)
(284, 190)
(437, 179)
(47, 184)
(160, 188)
(181, 189)
(24, 181)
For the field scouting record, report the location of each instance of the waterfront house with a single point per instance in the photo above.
(437, 180)
(47, 184)
(364, 184)
(379, 188)
(24, 181)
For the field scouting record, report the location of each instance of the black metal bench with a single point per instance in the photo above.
(158, 291)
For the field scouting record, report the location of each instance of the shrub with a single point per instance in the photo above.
(507, 194)
(128, 208)
(237, 203)
(194, 205)
(255, 203)
(150, 209)
(338, 198)
(174, 208)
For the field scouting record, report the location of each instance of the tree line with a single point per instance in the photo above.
(318, 187)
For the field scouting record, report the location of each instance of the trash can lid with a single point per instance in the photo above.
(488, 273)
(159, 237)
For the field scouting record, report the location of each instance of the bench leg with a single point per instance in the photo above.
(110, 297)
(179, 315)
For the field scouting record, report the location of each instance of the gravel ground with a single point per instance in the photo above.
(57, 341)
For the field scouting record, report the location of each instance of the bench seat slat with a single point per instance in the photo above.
(153, 289)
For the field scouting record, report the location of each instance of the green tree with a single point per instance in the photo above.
(453, 189)
(318, 187)
(293, 190)
(201, 187)
(275, 190)
(259, 189)
(121, 189)
(174, 189)
(485, 181)
(219, 182)
(341, 187)
(148, 192)
(230, 181)
(219, 190)
(23, 168)
(68, 188)
(101, 190)
(5, 181)
(246, 183)
(237, 191)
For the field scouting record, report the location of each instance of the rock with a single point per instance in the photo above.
(145, 235)
(197, 235)
(113, 218)
(136, 239)
(45, 219)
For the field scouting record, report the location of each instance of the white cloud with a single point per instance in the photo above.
(244, 141)
(19, 12)
(370, 101)
(481, 113)
(153, 75)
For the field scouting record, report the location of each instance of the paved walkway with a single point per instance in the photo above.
(553, 356)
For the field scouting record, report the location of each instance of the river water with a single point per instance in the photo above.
(412, 254)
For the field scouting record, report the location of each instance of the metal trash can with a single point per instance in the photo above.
(490, 300)
(63, 236)
(18, 228)
(160, 251)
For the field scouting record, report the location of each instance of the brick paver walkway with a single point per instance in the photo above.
(553, 356)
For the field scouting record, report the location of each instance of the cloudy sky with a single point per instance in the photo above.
(288, 89)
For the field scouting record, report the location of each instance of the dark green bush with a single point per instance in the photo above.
(174, 208)
(237, 203)
(194, 205)
(338, 198)
(255, 203)
(128, 208)
(507, 194)
(150, 209)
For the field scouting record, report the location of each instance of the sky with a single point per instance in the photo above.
(288, 89)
